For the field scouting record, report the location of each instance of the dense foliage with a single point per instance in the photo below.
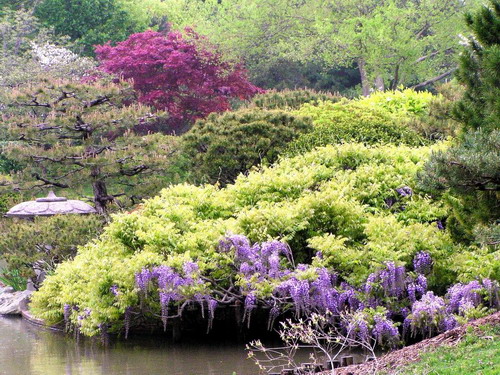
(479, 70)
(313, 206)
(290, 99)
(389, 42)
(178, 73)
(223, 146)
(381, 118)
(89, 22)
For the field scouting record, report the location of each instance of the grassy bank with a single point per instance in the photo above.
(478, 352)
(471, 349)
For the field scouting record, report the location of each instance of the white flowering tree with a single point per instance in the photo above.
(60, 61)
(28, 50)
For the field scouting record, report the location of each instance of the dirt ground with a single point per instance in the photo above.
(390, 362)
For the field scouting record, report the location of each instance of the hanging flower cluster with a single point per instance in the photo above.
(391, 305)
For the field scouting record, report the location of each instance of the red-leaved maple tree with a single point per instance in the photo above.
(180, 73)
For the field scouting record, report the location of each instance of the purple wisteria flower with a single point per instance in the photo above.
(265, 276)
(405, 191)
(427, 314)
(143, 278)
(67, 312)
(448, 323)
(385, 332)
(422, 263)
(114, 290)
(463, 297)
(392, 279)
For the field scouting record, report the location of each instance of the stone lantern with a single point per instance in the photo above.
(49, 206)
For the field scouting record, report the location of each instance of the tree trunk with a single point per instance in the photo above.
(395, 81)
(379, 83)
(364, 77)
(101, 197)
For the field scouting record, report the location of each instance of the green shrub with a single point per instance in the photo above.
(7, 200)
(340, 200)
(13, 278)
(438, 121)
(400, 103)
(291, 99)
(225, 145)
(352, 121)
(46, 241)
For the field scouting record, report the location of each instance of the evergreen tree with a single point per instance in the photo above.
(85, 137)
(470, 169)
(480, 71)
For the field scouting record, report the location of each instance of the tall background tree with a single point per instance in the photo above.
(391, 42)
(470, 169)
(91, 22)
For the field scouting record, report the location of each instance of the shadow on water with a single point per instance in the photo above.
(29, 350)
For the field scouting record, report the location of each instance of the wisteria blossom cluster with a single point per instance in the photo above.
(172, 286)
(305, 288)
(426, 315)
(422, 263)
(392, 304)
(371, 324)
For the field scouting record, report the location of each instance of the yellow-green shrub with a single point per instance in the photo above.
(333, 200)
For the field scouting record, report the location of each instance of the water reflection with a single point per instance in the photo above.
(27, 350)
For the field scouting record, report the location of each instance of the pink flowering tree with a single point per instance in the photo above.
(177, 72)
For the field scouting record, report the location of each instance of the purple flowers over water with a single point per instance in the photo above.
(265, 276)
(143, 278)
(67, 312)
(262, 259)
(174, 286)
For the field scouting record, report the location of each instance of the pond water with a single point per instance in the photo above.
(29, 350)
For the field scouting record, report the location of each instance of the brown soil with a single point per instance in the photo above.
(398, 358)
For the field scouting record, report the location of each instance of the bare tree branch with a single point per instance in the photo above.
(435, 79)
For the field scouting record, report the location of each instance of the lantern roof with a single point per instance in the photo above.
(49, 206)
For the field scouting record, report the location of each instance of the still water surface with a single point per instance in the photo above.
(28, 350)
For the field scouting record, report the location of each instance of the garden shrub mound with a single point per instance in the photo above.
(381, 118)
(351, 207)
(291, 99)
(224, 145)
